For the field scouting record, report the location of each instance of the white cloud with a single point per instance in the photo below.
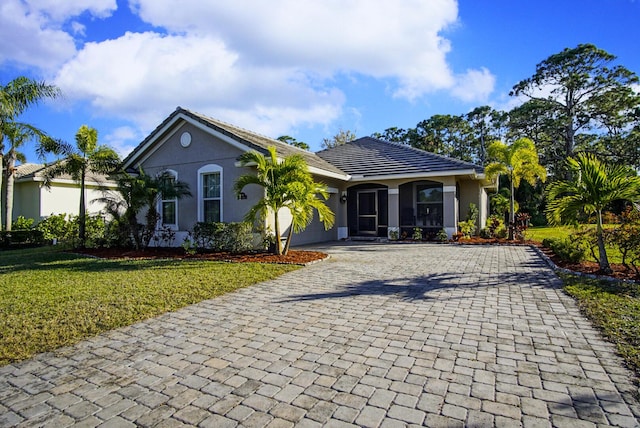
(144, 76)
(25, 38)
(60, 11)
(31, 31)
(474, 85)
(398, 40)
(270, 66)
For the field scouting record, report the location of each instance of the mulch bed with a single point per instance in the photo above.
(305, 257)
(293, 257)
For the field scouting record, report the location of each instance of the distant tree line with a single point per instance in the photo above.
(577, 100)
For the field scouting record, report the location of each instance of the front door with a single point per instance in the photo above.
(368, 212)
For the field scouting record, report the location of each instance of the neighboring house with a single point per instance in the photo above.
(32, 199)
(374, 186)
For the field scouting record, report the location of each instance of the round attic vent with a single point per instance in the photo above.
(185, 139)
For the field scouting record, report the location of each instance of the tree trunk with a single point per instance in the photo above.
(288, 244)
(9, 194)
(82, 220)
(603, 259)
(512, 208)
(1, 174)
(276, 226)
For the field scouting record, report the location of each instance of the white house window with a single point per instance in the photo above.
(169, 207)
(210, 193)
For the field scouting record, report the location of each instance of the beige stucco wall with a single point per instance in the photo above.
(26, 200)
(471, 191)
(33, 200)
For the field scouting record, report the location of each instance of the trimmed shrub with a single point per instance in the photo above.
(232, 237)
(22, 223)
(569, 250)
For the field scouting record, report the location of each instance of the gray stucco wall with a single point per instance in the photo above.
(186, 161)
(206, 149)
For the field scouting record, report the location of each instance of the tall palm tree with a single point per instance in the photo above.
(518, 161)
(15, 97)
(287, 184)
(594, 186)
(16, 134)
(86, 157)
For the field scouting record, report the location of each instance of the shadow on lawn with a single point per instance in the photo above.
(62, 260)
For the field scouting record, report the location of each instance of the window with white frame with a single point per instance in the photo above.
(168, 207)
(210, 193)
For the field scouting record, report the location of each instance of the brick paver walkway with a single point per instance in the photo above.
(379, 335)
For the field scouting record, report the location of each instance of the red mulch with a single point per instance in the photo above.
(304, 257)
(293, 257)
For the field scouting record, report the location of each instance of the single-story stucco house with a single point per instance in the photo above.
(32, 199)
(375, 186)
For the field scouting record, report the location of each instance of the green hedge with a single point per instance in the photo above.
(21, 238)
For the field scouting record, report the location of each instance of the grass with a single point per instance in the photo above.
(50, 299)
(541, 233)
(613, 307)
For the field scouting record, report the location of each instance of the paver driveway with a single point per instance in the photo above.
(387, 335)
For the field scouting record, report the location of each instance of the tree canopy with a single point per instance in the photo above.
(518, 161)
(15, 98)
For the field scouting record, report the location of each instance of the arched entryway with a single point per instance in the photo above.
(368, 210)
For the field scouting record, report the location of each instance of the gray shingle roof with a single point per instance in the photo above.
(369, 157)
(35, 171)
(255, 141)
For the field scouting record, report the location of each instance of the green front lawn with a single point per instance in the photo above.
(49, 298)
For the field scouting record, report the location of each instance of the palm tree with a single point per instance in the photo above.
(163, 186)
(594, 186)
(287, 184)
(134, 193)
(86, 157)
(125, 203)
(304, 203)
(518, 161)
(17, 134)
(15, 97)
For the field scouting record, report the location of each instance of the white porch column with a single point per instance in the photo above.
(393, 203)
(449, 210)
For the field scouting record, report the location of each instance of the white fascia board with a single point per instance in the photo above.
(329, 174)
(470, 172)
(181, 116)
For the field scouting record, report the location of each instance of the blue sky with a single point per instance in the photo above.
(304, 69)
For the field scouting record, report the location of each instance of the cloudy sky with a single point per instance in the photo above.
(290, 67)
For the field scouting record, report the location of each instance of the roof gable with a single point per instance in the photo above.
(239, 137)
(370, 157)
